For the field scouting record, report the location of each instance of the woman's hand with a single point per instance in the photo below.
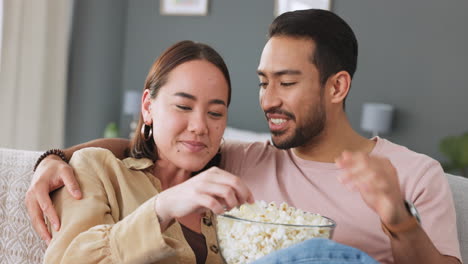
(51, 174)
(214, 189)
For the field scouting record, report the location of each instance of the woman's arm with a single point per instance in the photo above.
(93, 227)
(53, 173)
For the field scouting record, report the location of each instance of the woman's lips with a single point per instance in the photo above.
(194, 146)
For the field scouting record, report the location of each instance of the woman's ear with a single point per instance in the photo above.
(339, 87)
(146, 107)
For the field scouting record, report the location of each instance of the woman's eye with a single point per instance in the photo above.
(288, 83)
(262, 84)
(215, 114)
(183, 107)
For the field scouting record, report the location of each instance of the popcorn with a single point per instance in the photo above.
(245, 241)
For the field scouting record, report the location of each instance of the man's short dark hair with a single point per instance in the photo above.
(336, 45)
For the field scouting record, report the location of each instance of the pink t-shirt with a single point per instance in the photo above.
(280, 176)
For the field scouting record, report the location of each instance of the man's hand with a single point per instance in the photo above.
(51, 174)
(377, 181)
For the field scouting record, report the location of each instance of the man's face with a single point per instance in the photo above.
(290, 92)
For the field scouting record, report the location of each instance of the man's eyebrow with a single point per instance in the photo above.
(280, 73)
(191, 97)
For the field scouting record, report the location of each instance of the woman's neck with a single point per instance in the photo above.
(169, 174)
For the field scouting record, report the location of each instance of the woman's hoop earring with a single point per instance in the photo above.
(146, 132)
(221, 145)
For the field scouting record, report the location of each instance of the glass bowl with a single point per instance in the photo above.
(243, 241)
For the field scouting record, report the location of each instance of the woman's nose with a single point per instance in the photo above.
(198, 124)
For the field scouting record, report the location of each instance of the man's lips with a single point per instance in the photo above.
(193, 146)
(278, 123)
(278, 120)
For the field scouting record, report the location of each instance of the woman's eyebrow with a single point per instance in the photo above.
(186, 95)
(194, 98)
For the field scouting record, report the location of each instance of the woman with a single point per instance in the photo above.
(148, 208)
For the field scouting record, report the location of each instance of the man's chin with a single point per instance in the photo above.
(281, 141)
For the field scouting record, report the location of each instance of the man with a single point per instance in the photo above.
(319, 163)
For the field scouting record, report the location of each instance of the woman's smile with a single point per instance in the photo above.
(193, 146)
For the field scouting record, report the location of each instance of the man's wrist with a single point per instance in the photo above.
(411, 220)
(55, 152)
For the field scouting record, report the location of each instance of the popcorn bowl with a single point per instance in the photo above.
(243, 240)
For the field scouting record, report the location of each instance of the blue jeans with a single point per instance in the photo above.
(317, 251)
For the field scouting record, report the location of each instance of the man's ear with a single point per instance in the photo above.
(339, 86)
(146, 107)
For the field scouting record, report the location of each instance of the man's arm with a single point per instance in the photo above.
(53, 173)
(376, 180)
(117, 146)
(414, 246)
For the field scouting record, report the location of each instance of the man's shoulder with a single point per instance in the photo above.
(401, 154)
(411, 166)
(237, 155)
(244, 149)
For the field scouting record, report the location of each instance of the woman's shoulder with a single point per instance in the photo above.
(97, 161)
(93, 155)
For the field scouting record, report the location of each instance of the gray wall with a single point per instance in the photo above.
(94, 85)
(236, 29)
(412, 55)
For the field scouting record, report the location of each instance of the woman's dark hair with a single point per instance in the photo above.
(158, 74)
(336, 45)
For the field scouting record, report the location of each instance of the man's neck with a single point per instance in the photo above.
(333, 141)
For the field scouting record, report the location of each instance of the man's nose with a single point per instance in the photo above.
(269, 98)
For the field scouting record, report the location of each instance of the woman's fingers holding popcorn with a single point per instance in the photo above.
(211, 203)
(213, 189)
(226, 194)
(218, 176)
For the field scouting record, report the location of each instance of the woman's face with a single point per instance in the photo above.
(189, 114)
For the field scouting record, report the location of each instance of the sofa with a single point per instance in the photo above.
(20, 244)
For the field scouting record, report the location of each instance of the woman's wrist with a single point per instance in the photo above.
(163, 217)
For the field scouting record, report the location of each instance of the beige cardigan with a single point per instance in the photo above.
(115, 221)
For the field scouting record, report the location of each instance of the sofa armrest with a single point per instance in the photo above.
(18, 241)
(459, 187)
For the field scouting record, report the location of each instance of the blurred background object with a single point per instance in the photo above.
(131, 108)
(282, 6)
(111, 130)
(455, 148)
(183, 7)
(377, 118)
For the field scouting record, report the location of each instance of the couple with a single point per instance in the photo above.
(149, 208)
